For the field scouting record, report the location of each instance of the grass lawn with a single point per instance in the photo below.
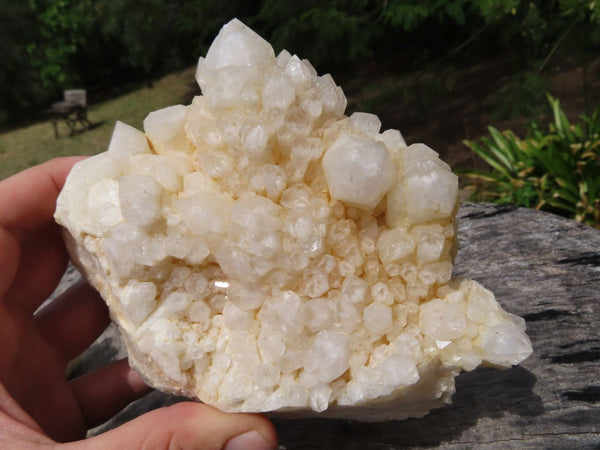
(31, 145)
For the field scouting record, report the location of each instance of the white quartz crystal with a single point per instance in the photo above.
(359, 171)
(261, 251)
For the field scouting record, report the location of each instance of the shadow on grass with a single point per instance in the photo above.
(79, 131)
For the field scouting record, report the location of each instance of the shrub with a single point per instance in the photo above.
(557, 170)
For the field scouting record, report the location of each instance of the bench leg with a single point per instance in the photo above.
(55, 125)
(82, 117)
(71, 123)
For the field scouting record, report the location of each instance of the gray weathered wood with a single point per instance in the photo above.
(540, 266)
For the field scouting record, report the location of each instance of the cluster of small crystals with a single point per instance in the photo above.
(265, 251)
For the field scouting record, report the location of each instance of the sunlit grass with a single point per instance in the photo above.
(24, 147)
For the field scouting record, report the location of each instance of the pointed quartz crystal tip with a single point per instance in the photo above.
(237, 45)
(231, 69)
(261, 251)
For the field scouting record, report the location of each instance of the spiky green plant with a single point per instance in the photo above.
(556, 170)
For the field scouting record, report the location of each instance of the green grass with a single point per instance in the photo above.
(34, 144)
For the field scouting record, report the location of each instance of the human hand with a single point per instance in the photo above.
(38, 405)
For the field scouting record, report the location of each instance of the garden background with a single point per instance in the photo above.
(506, 91)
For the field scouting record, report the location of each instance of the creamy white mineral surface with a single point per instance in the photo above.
(261, 251)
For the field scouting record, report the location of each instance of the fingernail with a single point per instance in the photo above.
(250, 440)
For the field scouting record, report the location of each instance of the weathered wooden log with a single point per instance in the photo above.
(540, 266)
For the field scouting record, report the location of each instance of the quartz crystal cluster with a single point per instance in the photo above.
(261, 251)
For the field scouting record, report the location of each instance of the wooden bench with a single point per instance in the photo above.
(542, 267)
(72, 110)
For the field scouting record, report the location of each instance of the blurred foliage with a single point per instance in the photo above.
(330, 33)
(50, 45)
(19, 81)
(155, 36)
(557, 170)
(522, 95)
(63, 26)
(418, 91)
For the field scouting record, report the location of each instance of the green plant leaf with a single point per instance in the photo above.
(566, 195)
(563, 127)
(561, 205)
(481, 176)
(567, 184)
(502, 150)
(556, 170)
(482, 153)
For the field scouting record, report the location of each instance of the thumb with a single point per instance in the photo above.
(187, 426)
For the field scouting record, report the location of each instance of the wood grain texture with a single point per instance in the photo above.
(540, 266)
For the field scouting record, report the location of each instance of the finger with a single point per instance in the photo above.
(43, 261)
(73, 320)
(11, 411)
(29, 241)
(103, 393)
(28, 199)
(188, 425)
(10, 254)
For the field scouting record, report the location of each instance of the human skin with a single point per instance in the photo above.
(39, 406)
